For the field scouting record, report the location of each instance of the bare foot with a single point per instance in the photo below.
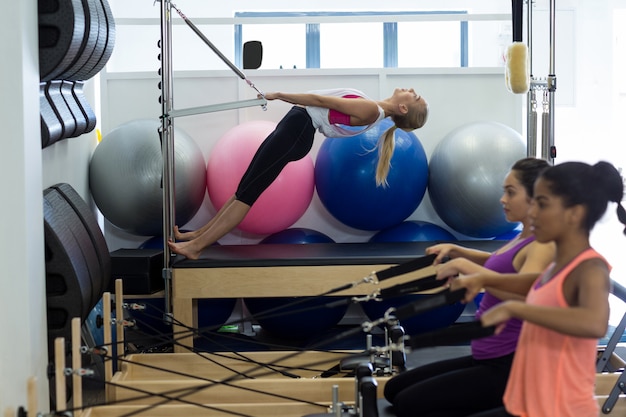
(184, 235)
(187, 249)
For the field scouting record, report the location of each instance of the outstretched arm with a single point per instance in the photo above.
(453, 251)
(586, 292)
(362, 111)
(511, 283)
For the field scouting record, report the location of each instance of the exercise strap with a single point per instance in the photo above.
(406, 267)
(422, 284)
(439, 299)
(452, 335)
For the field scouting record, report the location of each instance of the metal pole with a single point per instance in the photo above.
(531, 97)
(551, 148)
(217, 51)
(167, 146)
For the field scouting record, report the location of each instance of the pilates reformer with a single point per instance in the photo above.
(140, 390)
(143, 385)
(284, 270)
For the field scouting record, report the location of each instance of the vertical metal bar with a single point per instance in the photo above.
(529, 35)
(531, 96)
(551, 148)
(167, 144)
(545, 126)
(531, 126)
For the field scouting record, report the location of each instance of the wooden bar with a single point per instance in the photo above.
(242, 396)
(226, 364)
(108, 343)
(261, 390)
(59, 373)
(257, 410)
(190, 284)
(173, 374)
(77, 382)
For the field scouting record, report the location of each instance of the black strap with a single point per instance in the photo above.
(452, 335)
(406, 267)
(440, 299)
(422, 284)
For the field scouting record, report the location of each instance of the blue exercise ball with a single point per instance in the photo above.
(297, 235)
(156, 242)
(510, 234)
(345, 179)
(467, 169)
(296, 318)
(413, 231)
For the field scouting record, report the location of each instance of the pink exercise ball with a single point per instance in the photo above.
(283, 203)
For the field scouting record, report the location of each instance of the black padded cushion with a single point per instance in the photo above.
(312, 254)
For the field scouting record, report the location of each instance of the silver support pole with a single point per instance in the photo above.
(166, 132)
(551, 148)
(531, 97)
(167, 146)
(531, 126)
(545, 126)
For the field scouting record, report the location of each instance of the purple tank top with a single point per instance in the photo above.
(504, 343)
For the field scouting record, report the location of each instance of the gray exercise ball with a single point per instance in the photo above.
(125, 177)
(466, 173)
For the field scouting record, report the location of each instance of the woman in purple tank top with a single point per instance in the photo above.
(470, 384)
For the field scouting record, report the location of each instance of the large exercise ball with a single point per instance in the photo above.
(299, 235)
(467, 170)
(280, 205)
(345, 172)
(296, 318)
(413, 231)
(126, 177)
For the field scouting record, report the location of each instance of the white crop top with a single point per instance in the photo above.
(319, 115)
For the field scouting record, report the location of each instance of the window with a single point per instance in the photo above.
(368, 43)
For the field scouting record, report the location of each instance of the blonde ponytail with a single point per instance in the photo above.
(386, 146)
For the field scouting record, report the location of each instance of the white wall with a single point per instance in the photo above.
(23, 344)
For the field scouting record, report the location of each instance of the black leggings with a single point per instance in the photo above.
(456, 387)
(290, 141)
(496, 412)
